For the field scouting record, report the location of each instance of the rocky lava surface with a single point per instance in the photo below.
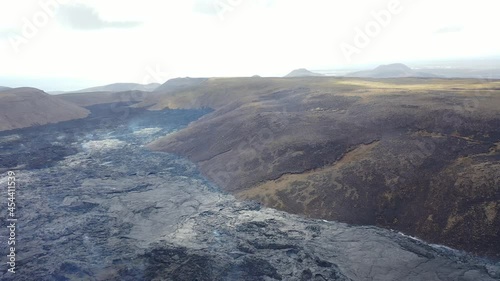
(95, 204)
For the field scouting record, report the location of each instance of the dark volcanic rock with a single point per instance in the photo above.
(112, 210)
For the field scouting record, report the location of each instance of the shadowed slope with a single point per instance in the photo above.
(420, 156)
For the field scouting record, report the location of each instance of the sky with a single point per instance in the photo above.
(69, 45)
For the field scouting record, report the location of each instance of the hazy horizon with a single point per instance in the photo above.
(60, 45)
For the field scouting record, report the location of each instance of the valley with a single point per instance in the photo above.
(314, 178)
(269, 140)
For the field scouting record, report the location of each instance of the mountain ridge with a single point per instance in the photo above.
(395, 70)
(119, 87)
(302, 72)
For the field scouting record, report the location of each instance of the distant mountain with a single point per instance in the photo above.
(171, 87)
(395, 70)
(114, 93)
(120, 87)
(302, 72)
(55, 92)
(2, 88)
(180, 84)
(26, 107)
(92, 98)
(465, 73)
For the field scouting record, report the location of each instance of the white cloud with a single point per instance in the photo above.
(187, 38)
(85, 18)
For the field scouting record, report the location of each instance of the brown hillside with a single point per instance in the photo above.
(25, 107)
(417, 155)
